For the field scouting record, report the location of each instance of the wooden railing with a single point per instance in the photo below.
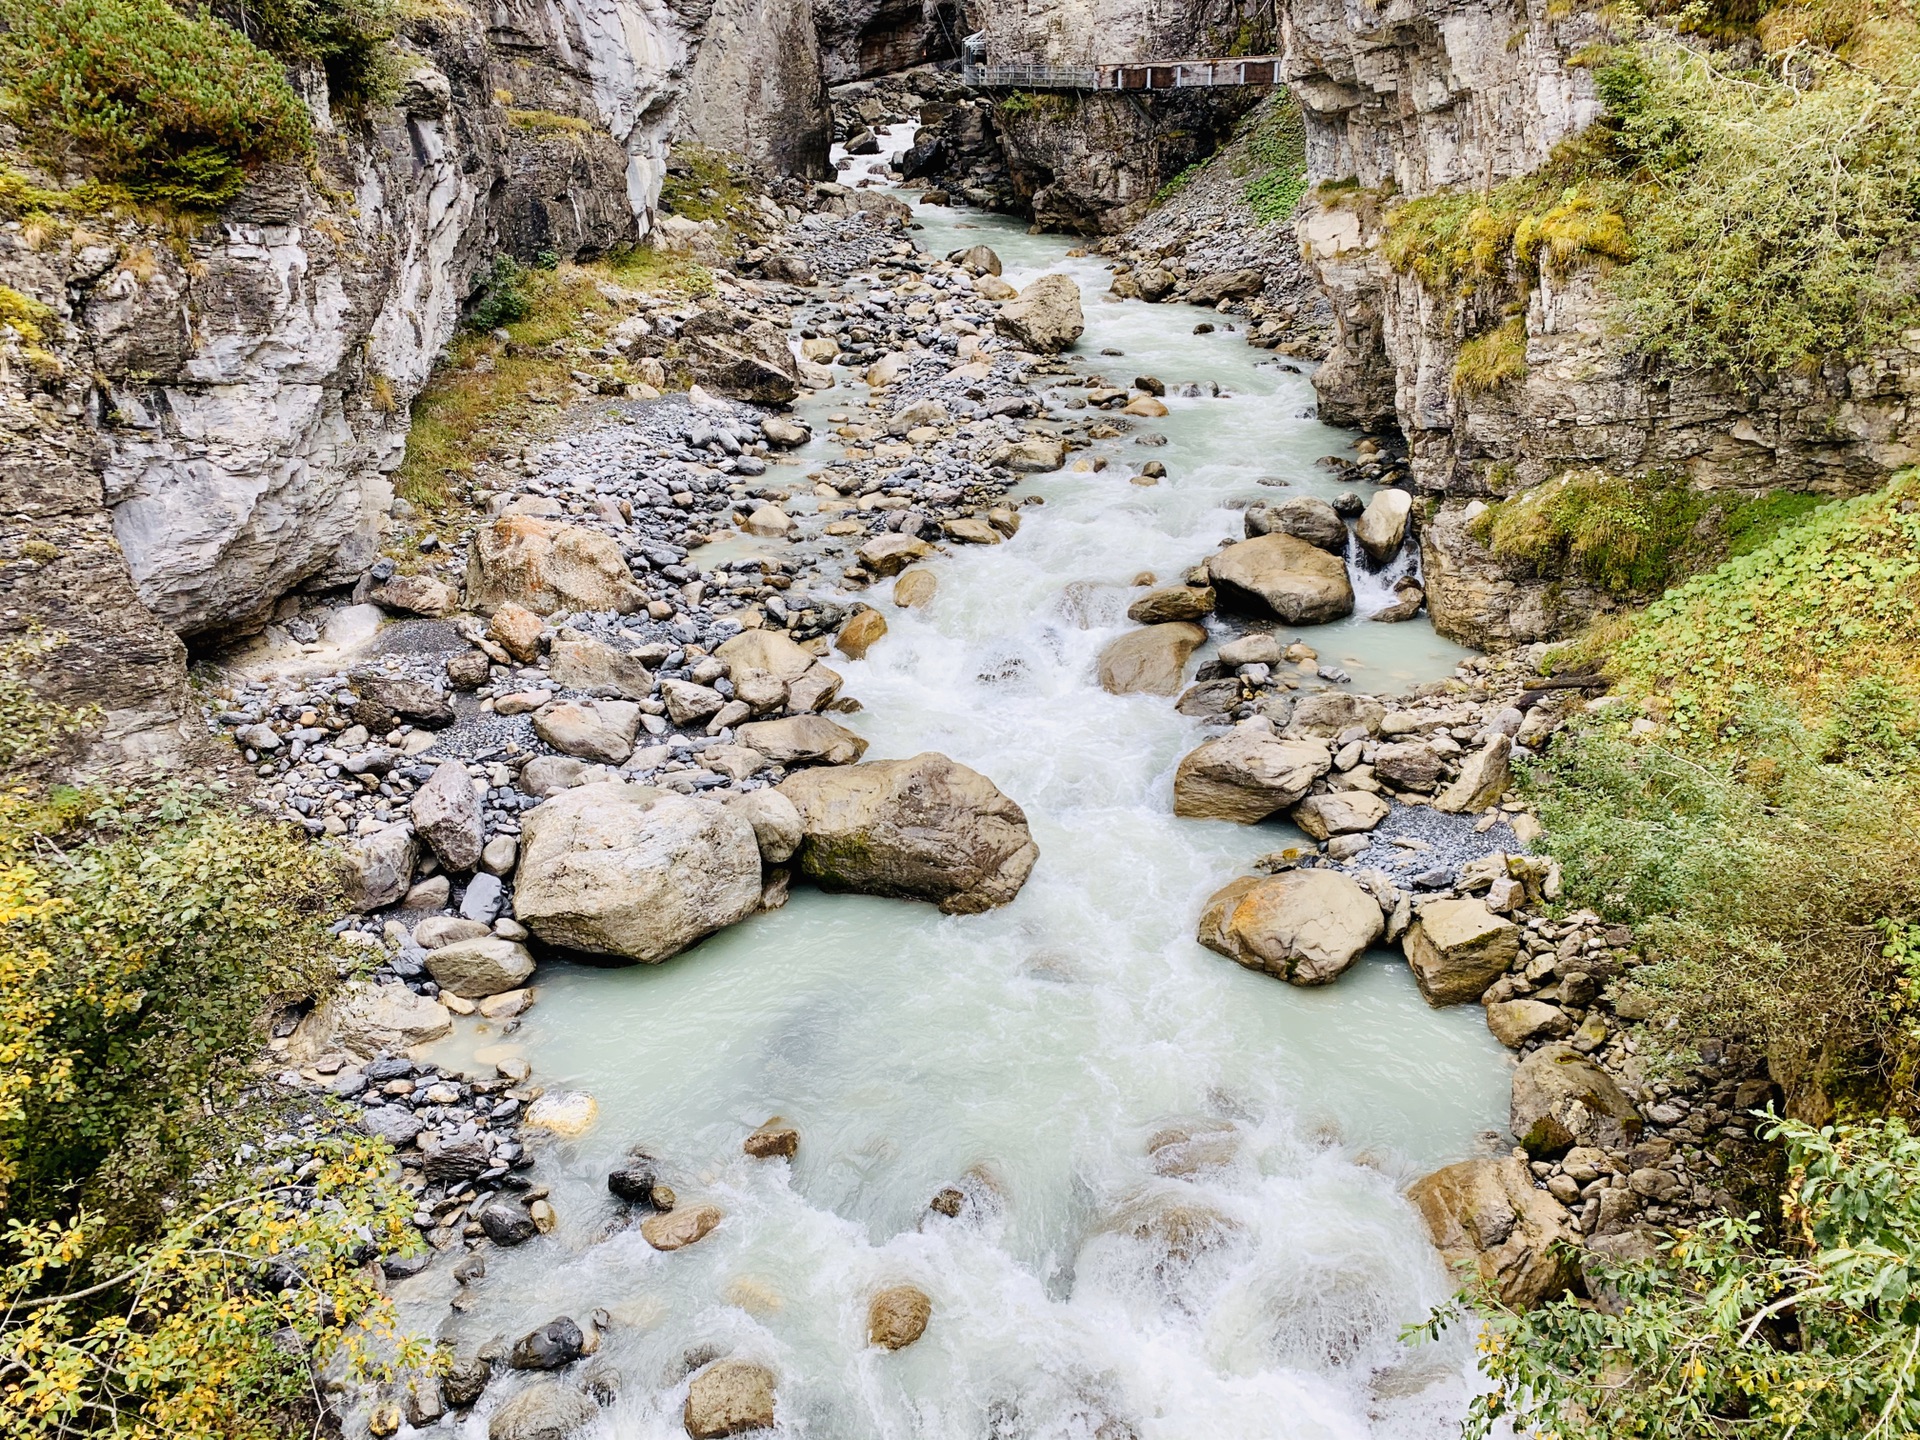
(1142, 75)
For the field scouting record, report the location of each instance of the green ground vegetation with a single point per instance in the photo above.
(167, 1265)
(1748, 800)
(490, 394)
(1631, 536)
(1274, 172)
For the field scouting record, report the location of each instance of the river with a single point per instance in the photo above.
(1036, 1048)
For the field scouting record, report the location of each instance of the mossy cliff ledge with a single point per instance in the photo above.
(207, 383)
(1559, 239)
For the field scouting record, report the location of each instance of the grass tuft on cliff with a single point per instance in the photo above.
(174, 108)
(1752, 217)
(1488, 362)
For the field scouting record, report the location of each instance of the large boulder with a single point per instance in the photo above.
(1382, 526)
(475, 969)
(1305, 926)
(739, 356)
(1408, 765)
(1457, 948)
(729, 1397)
(1151, 660)
(601, 730)
(1562, 1099)
(1487, 1214)
(376, 870)
(547, 566)
(1247, 775)
(546, 1411)
(803, 740)
(1045, 316)
(920, 829)
(1339, 812)
(623, 870)
(1305, 517)
(446, 814)
(1285, 576)
(1482, 780)
(363, 1018)
(599, 669)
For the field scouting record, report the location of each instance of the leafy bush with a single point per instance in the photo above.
(1727, 1335)
(174, 108)
(217, 1325)
(346, 38)
(504, 296)
(1774, 221)
(1761, 882)
(142, 936)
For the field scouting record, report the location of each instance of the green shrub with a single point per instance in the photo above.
(174, 108)
(504, 297)
(1724, 1334)
(1762, 880)
(1755, 219)
(144, 935)
(348, 39)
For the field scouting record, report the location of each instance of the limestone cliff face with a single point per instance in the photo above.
(758, 88)
(211, 413)
(1415, 96)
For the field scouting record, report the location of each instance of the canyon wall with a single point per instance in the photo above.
(210, 413)
(1416, 96)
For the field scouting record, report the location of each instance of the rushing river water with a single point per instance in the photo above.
(1035, 1049)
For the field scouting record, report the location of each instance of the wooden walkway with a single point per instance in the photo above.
(1142, 75)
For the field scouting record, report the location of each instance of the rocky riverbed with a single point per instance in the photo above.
(605, 714)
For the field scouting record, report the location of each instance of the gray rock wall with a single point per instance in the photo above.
(214, 412)
(757, 87)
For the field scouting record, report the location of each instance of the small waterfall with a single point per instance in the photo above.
(1373, 589)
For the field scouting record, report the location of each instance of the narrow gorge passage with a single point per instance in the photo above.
(1029, 1055)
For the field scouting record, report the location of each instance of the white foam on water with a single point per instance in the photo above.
(1028, 1054)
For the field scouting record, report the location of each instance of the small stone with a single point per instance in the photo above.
(860, 632)
(677, 1229)
(898, 1316)
(555, 1344)
(776, 1138)
(516, 630)
(729, 1398)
